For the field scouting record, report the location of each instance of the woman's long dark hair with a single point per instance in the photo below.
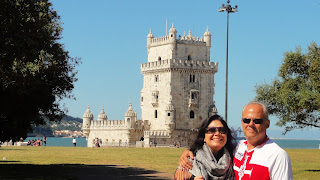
(198, 143)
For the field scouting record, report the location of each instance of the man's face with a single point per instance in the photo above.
(251, 130)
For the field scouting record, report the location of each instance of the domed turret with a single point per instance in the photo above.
(213, 109)
(189, 35)
(87, 118)
(149, 39)
(102, 116)
(88, 113)
(130, 116)
(207, 37)
(172, 34)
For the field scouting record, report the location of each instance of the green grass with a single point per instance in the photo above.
(305, 162)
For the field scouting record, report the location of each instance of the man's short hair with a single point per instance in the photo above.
(264, 108)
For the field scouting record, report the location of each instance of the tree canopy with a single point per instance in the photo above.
(36, 72)
(294, 96)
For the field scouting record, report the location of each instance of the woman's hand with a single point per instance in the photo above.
(183, 160)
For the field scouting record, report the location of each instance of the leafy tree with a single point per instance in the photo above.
(36, 72)
(294, 97)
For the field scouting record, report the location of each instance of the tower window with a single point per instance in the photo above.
(159, 58)
(171, 35)
(156, 114)
(192, 78)
(189, 57)
(141, 99)
(168, 114)
(156, 78)
(191, 114)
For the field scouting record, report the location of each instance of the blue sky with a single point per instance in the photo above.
(110, 37)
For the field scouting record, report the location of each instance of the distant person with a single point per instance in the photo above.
(213, 149)
(155, 143)
(257, 157)
(74, 142)
(150, 144)
(29, 143)
(45, 140)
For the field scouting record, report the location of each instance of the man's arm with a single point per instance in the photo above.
(183, 160)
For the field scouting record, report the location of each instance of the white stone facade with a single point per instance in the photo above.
(177, 95)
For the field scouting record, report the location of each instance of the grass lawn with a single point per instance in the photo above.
(305, 162)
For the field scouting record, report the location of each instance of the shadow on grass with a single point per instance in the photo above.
(313, 170)
(76, 171)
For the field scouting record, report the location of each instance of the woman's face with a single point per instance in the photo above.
(216, 137)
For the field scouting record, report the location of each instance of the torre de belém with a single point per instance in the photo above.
(177, 95)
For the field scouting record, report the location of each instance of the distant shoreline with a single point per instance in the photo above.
(294, 139)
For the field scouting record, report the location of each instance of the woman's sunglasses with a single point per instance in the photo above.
(212, 130)
(256, 121)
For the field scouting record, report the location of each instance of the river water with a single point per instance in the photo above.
(284, 143)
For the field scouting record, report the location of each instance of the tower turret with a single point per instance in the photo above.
(149, 39)
(130, 117)
(207, 39)
(172, 34)
(213, 109)
(87, 118)
(102, 116)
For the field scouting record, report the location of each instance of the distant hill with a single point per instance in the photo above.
(70, 118)
(67, 123)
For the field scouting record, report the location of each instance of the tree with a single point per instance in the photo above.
(294, 97)
(36, 73)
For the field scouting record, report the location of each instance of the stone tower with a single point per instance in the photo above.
(178, 86)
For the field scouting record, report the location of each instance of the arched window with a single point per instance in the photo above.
(168, 114)
(191, 114)
(189, 57)
(141, 99)
(128, 120)
(156, 114)
(159, 58)
(194, 78)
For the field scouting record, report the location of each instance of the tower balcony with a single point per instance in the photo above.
(193, 103)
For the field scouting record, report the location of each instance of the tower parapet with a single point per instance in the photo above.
(179, 64)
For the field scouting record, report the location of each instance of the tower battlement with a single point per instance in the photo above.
(179, 64)
(108, 123)
(184, 39)
(157, 134)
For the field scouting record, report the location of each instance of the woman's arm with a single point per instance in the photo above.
(183, 160)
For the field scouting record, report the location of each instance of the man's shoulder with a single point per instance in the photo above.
(273, 149)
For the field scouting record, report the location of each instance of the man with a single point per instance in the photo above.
(257, 157)
(74, 142)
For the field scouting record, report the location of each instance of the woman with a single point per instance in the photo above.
(213, 150)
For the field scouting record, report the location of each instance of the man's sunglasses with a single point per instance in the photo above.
(256, 121)
(212, 130)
